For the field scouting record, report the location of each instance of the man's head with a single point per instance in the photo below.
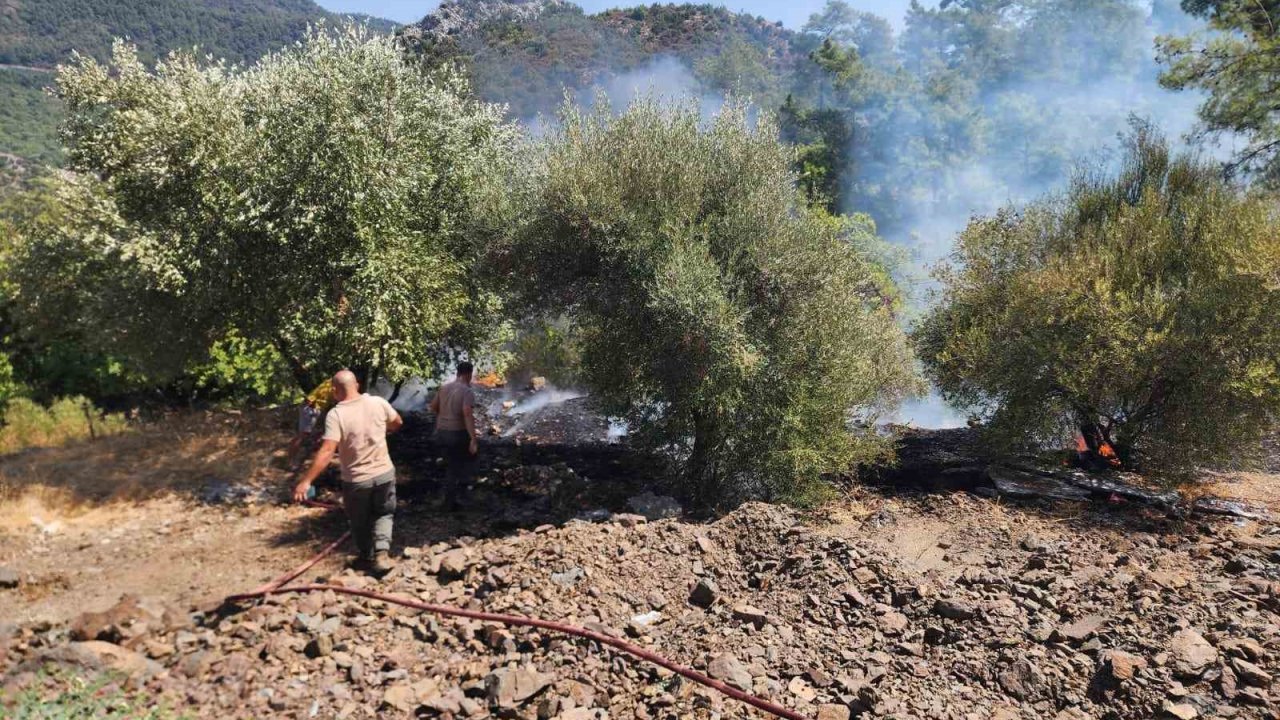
(465, 370)
(345, 385)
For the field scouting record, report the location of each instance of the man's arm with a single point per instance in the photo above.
(435, 404)
(394, 421)
(323, 456)
(469, 420)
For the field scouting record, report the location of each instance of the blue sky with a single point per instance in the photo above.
(792, 13)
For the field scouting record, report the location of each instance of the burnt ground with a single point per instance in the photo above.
(892, 602)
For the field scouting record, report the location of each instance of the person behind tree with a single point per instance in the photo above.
(310, 422)
(454, 408)
(356, 428)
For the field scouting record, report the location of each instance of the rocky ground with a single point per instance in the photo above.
(941, 604)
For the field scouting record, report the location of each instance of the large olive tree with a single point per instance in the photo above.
(1140, 309)
(322, 201)
(738, 332)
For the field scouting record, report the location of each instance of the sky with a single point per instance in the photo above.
(792, 13)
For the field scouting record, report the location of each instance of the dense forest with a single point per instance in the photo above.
(44, 33)
(972, 104)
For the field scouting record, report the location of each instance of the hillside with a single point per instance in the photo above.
(526, 53)
(36, 35)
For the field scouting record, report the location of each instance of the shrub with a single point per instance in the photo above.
(735, 330)
(1140, 306)
(29, 424)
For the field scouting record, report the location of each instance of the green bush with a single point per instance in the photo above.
(736, 330)
(1141, 307)
(547, 348)
(29, 424)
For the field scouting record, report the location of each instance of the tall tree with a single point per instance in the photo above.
(323, 201)
(1236, 63)
(1139, 309)
(722, 318)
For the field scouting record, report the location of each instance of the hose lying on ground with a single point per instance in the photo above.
(278, 586)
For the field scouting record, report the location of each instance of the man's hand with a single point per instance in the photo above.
(475, 446)
(323, 456)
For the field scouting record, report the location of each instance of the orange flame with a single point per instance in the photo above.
(490, 380)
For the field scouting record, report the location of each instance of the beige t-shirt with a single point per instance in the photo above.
(454, 398)
(360, 428)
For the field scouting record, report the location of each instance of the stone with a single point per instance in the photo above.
(568, 578)
(400, 697)
(93, 656)
(801, 689)
(1181, 711)
(1023, 680)
(953, 610)
(320, 646)
(512, 687)
(655, 507)
(833, 712)
(1122, 666)
(704, 594)
(894, 622)
(1082, 629)
(454, 563)
(9, 578)
(750, 614)
(1251, 674)
(729, 669)
(1192, 654)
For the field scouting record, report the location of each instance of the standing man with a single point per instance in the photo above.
(356, 427)
(453, 407)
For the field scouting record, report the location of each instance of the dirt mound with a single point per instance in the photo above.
(1018, 615)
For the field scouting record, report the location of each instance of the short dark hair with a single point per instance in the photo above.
(465, 368)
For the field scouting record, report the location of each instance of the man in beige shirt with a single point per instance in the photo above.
(356, 428)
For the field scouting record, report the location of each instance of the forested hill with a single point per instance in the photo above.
(968, 105)
(43, 33)
(36, 35)
(524, 53)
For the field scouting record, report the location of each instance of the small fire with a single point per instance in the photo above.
(1105, 451)
(490, 380)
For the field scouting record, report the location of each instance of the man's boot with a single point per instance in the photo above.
(381, 564)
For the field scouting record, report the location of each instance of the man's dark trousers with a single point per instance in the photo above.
(370, 508)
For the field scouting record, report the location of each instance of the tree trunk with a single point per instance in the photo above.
(703, 474)
(395, 392)
(301, 375)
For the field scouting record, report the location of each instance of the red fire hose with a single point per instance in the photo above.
(277, 586)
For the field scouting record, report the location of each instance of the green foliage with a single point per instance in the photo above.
(78, 697)
(28, 116)
(45, 32)
(1142, 306)
(240, 370)
(28, 424)
(546, 348)
(528, 64)
(321, 202)
(1235, 61)
(726, 322)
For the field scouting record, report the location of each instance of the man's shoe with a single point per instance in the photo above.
(381, 564)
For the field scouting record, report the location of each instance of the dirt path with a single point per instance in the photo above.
(184, 552)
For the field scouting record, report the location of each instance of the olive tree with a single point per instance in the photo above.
(324, 201)
(1139, 308)
(738, 332)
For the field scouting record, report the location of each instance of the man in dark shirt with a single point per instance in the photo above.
(454, 408)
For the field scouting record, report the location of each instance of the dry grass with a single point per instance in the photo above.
(180, 455)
